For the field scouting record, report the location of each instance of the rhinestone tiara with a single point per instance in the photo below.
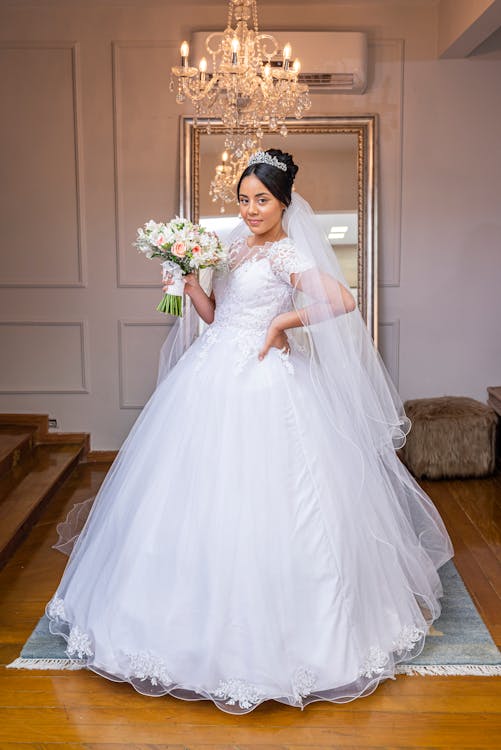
(262, 157)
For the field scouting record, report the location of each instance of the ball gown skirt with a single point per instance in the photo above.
(240, 550)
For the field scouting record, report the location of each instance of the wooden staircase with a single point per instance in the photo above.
(34, 463)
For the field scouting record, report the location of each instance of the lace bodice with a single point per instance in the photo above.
(251, 289)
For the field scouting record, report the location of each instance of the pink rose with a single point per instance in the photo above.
(160, 240)
(179, 249)
(197, 249)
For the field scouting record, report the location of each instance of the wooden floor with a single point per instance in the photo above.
(76, 710)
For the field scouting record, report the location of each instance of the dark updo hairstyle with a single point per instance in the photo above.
(278, 181)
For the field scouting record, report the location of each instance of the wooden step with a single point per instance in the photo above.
(16, 444)
(39, 423)
(28, 487)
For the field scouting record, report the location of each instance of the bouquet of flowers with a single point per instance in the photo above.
(184, 247)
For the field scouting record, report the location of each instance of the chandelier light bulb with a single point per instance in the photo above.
(235, 46)
(224, 156)
(287, 56)
(267, 71)
(296, 66)
(202, 67)
(185, 51)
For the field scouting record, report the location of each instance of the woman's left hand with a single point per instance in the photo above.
(275, 337)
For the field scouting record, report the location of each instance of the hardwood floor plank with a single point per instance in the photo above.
(280, 725)
(100, 746)
(469, 563)
(405, 695)
(481, 503)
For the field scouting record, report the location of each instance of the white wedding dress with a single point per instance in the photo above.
(230, 554)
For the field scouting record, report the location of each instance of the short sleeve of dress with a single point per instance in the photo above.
(286, 259)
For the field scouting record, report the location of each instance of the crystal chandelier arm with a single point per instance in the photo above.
(272, 49)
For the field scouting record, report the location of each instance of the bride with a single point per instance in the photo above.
(257, 537)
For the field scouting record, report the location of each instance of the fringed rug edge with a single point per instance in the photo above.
(445, 670)
(21, 663)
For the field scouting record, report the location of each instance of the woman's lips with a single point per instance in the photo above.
(254, 222)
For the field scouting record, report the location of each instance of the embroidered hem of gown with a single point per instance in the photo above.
(150, 676)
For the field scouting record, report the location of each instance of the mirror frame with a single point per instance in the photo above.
(365, 128)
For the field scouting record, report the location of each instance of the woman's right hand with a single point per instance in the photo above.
(191, 283)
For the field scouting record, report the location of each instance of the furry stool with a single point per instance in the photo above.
(494, 400)
(451, 436)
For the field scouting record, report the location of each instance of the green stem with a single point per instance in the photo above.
(171, 305)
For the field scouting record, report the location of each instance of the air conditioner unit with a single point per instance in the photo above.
(333, 62)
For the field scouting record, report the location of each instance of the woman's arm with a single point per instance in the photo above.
(204, 305)
(336, 300)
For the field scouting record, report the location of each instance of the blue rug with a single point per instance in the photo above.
(458, 642)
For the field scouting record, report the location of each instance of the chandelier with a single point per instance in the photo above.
(222, 186)
(246, 89)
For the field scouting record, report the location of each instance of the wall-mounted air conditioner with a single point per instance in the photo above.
(331, 61)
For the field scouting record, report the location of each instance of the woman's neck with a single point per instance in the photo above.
(275, 234)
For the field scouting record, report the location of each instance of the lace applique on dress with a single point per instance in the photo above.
(302, 682)
(407, 639)
(374, 663)
(211, 335)
(238, 691)
(146, 666)
(79, 643)
(56, 609)
(285, 357)
(286, 259)
(376, 659)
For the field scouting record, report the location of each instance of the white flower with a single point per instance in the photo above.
(79, 643)
(146, 666)
(407, 639)
(56, 609)
(302, 682)
(238, 691)
(374, 663)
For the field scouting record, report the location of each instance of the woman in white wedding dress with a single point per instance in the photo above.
(257, 537)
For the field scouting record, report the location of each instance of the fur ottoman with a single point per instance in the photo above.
(494, 400)
(451, 436)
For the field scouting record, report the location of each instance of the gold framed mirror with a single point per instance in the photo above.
(337, 176)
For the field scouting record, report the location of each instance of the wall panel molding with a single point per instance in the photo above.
(75, 93)
(389, 347)
(123, 247)
(390, 212)
(64, 343)
(126, 400)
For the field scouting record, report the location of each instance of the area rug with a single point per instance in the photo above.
(458, 642)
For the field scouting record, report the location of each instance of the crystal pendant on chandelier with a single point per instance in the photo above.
(246, 90)
(233, 162)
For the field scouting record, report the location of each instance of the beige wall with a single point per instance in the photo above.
(89, 138)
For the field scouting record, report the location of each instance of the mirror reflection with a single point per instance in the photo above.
(327, 178)
(336, 176)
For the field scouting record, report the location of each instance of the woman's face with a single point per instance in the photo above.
(259, 208)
